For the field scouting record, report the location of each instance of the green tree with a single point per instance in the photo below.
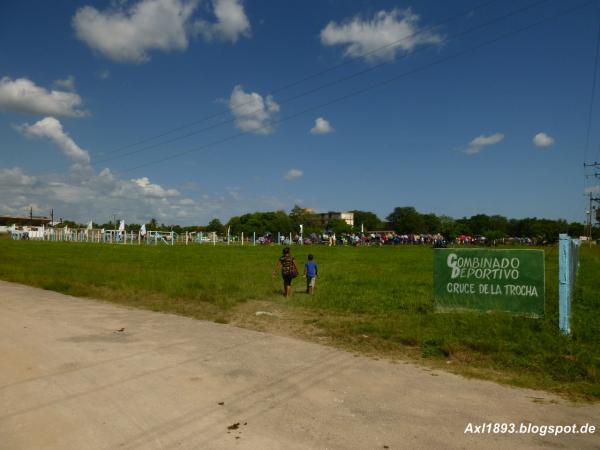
(493, 235)
(576, 229)
(235, 224)
(177, 229)
(513, 228)
(448, 227)
(129, 227)
(339, 226)
(433, 224)
(463, 227)
(216, 226)
(260, 223)
(70, 224)
(479, 224)
(500, 224)
(367, 219)
(406, 220)
(302, 216)
(280, 221)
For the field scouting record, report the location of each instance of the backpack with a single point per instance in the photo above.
(288, 268)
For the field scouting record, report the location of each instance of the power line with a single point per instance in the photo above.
(589, 127)
(368, 88)
(314, 75)
(323, 86)
(591, 110)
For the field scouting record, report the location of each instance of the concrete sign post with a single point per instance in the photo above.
(489, 280)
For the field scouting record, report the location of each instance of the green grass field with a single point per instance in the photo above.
(374, 300)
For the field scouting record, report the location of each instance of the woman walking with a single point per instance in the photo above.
(289, 271)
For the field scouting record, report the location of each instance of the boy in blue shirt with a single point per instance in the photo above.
(310, 273)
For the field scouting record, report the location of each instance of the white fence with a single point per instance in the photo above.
(152, 237)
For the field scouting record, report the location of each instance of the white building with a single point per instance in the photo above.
(8, 223)
(347, 217)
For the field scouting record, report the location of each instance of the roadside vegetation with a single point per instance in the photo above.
(374, 300)
(402, 220)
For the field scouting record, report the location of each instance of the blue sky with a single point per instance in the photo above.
(498, 129)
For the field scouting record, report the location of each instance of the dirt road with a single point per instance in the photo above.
(80, 374)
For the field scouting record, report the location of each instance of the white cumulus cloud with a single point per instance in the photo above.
(477, 144)
(253, 112)
(128, 35)
(232, 22)
(24, 96)
(396, 30)
(98, 195)
(154, 190)
(15, 177)
(543, 140)
(128, 32)
(52, 129)
(322, 126)
(293, 174)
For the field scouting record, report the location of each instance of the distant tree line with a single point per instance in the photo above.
(402, 220)
(407, 220)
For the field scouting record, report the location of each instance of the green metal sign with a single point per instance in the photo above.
(489, 280)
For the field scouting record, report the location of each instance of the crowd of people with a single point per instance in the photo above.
(380, 238)
(354, 239)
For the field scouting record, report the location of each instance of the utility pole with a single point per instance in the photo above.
(52, 217)
(589, 224)
(590, 211)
